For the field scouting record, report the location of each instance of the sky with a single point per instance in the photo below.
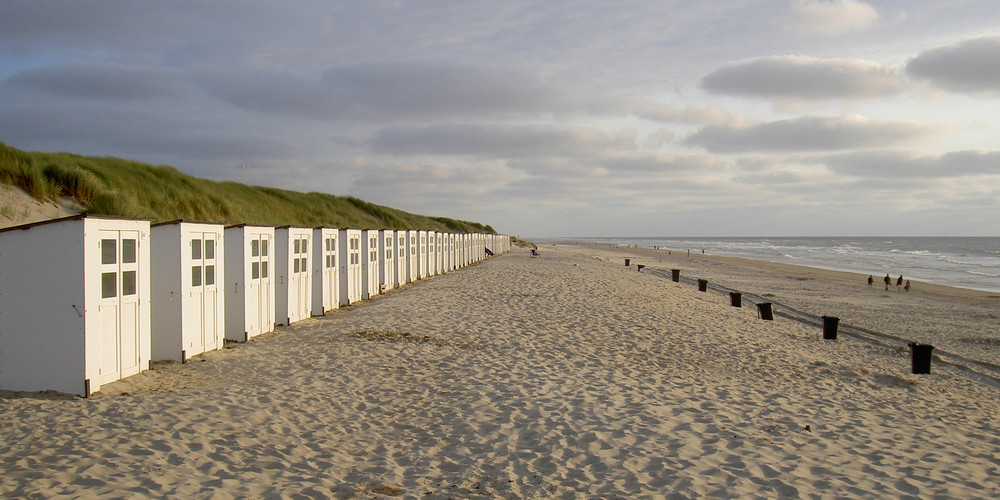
(542, 119)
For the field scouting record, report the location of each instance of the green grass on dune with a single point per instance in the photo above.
(112, 186)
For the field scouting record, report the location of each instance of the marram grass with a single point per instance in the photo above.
(112, 186)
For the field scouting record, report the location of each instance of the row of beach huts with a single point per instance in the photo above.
(87, 300)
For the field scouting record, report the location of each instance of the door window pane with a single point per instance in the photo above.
(295, 266)
(128, 251)
(264, 245)
(209, 249)
(209, 275)
(196, 249)
(128, 283)
(195, 275)
(109, 254)
(109, 285)
(263, 269)
(255, 248)
(255, 270)
(305, 265)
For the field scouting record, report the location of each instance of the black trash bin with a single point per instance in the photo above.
(830, 324)
(736, 299)
(639, 267)
(626, 262)
(702, 285)
(921, 357)
(764, 311)
(675, 274)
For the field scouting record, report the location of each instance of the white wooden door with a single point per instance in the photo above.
(401, 260)
(204, 292)
(331, 285)
(119, 305)
(298, 280)
(354, 268)
(259, 293)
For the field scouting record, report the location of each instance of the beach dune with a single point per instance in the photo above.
(564, 376)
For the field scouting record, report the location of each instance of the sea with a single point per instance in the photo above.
(965, 262)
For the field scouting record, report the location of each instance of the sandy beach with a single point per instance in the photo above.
(565, 376)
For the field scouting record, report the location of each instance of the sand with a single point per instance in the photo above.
(568, 376)
(18, 207)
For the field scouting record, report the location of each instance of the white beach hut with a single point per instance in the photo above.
(441, 253)
(452, 247)
(402, 276)
(466, 250)
(369, 264)
(350, 266)
(387, 258)
(432, 252)
(249, 256)
(421, 254)
(411, 256)
(293, 261)
(74, 303)
(325, 270)
(187, 276)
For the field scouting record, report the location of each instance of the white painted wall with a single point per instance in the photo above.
(187, 289)
(369, 264)
(293, 258)
(387, 258)
(326, 270)
(57, 332)
(249, 272)
(412, 273)
(350, 266)
(402, 274)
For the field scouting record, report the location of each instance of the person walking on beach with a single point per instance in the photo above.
(899, 282)
(871, 282)
(906, 287)
(887, 280)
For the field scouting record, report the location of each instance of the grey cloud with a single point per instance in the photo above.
(713, 115)
(971, 65)
(99, 81)
(810, 133)
(130, 132)
(832, 17)
(909, 165)
(806, 78)
(499, 141)
(395, 91)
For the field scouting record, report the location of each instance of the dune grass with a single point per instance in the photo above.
(113, 186)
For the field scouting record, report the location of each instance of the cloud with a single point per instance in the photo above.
(811, 133)
(711, 115)
(908, 165)
(499, 140)
(100, 81)
(828, 17)
(148, 133)
(971, 65)
(805, 78)
(400, 90)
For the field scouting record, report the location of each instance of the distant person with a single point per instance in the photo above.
(907, 286)
(899, 282)
(887, 280)
(871, 281)
(534, 253)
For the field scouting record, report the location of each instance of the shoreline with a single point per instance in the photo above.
(812, 265)
(841, 275)
(957, 320)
